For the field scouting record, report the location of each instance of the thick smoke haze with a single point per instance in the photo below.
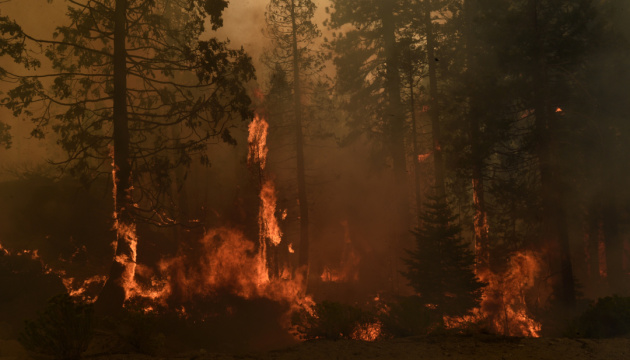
(413, 167)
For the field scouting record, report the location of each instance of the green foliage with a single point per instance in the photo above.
(331, 320)
(441, 267)
(608, 317)
(408, 316)
(63, 330)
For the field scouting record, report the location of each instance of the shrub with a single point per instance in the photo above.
(63, 330)
(407, 317)
(136, 329)
(608, 317)
(140, 330)
(331, 320)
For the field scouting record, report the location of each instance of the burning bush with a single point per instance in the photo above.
(334, 321)
(63, 330)
(608, 317)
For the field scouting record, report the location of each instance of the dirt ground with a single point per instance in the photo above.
(477, 347)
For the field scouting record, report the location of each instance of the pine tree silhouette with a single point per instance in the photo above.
(441, 268)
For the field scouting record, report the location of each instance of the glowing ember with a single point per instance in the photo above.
(423, 157)
(558, 110)
(367, 332)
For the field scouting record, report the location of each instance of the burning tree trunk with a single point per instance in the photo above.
(434, 112)
(480, 220)
(122, 271)
(554, 226)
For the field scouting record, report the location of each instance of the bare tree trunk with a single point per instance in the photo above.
(593, 238)
(555, 232)
(395, 127)
(303, 258)
(113, 295)
(416, 150)
(480, 220)
(434, 111)
(614, 246)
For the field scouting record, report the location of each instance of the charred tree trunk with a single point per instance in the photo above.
(592, 245)
(113, 295)
(416, 148)
(480, 220)
(614, 246)
(434, 111)
(395, 127)
(554, 222)
(303, 258)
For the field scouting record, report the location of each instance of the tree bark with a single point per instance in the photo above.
(614, 246)
(113, 295)
(434, 111)
(554, 222)
(395, 127)
(303, 258)
(416, 149)
(480, 220)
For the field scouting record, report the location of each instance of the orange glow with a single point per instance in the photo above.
(423, 157)
(503, 305)
(268, 223)
(367, 332)
(348, 269)
(481, 227)
(228, 261)
(558, 110)
(257, 140)
(504, 302)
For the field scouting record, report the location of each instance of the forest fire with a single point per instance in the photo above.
(226, 261)
(348, 268)
(247, 176)
(504, 301)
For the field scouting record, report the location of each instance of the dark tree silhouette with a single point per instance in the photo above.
(441, 268)
(127, 76)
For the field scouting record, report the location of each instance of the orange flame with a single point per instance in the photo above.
(503, 304)
(423, 157)
(367, 332)
(257, 140)
(228, 261)
(268, 223)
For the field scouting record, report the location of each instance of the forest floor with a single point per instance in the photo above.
(481, 347)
